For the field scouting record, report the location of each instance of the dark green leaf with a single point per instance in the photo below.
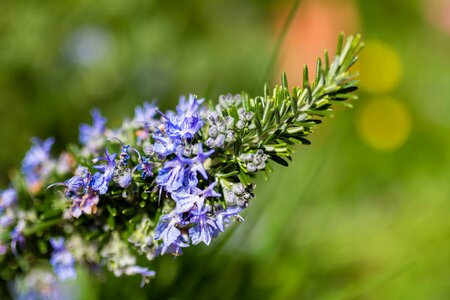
(279, 160)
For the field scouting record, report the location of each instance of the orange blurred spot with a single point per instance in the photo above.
(315, 27)
(437, 13)
(141, 134)
(69, 159)
(35, 187)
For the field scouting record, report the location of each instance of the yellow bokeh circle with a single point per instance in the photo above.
(384, 123)
(380, 67)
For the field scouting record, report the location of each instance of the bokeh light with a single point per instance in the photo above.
(87, 45)
(314, 28)
(437, 13)
(380, 67)
(384, 123)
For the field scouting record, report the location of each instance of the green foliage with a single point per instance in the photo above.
(283, 117)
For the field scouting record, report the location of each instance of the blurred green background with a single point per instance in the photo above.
(363, 213)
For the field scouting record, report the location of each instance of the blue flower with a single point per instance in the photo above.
(146, 167)
(76, 184)
(143, 115)
(89, 203)
(37, 163)
(6, 214)
(6, 220)
(183, 127)
(190, 180)
(39, 283)
(223, 216)
(165, 146)
(189, 107)
(7, 198)
(98, 183)
(167, 230)
(175, 248)
(100, 180)
(90, 134)
(124, 155)
(107, 168)
(187, 122)
(172, 175)
(17, 238)
(144, 272)
(197, 162)
(75, 209)
(203, 229)
(124, 180)
(82, 191)
(62, 260)
(210, 192)
(186, 199)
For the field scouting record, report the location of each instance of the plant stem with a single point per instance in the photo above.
(41, 226)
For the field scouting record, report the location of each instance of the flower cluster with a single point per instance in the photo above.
(8, 217)
(62, 260)
(162, 181)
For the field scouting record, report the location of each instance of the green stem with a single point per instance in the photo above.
(41, 226)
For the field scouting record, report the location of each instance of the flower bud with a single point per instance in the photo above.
(240, 124)
(219, 141)
(209, 142)
(221, 126)
(230, 137)
(148, 150)
(195, 149)
(238, 189)
(229, 122)
(241, 112)
(251, 168)
(243, 157)
(249, 116)
(213, 131)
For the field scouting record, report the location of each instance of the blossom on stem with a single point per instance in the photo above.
(187, 122)
(17, 238)
(167, 230)
(198, 161)
(176, 247)
(100, 180)
(8, 197)
(172, 175)
(144, 272)
(165, 146)
(204, 227)
(37, 163)
(144, 115)
(145, 167)
(187, 199)
(90, 135)
(223, 216)
(62, 260)
(6, 218)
